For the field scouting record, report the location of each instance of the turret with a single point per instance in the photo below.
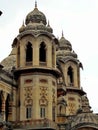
(36, 70)
(69, 65)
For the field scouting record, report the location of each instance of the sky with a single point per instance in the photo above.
(79, 21)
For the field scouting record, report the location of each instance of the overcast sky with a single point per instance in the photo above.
(79, 21)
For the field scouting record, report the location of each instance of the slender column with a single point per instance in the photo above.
(3, 105)
(10, 111)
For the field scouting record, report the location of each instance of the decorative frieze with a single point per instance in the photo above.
(43, 80)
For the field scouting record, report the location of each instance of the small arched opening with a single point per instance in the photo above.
(42, 52)
(70, 76)
(29, 52)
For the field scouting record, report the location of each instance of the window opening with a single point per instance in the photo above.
(29, 52)
(53, 113)
(42, 112)
(42, 53)
(60, 109)
(7, 107)
(28, 112)
(70, 75)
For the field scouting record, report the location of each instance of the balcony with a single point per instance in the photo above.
(35, 124)
(61, 90)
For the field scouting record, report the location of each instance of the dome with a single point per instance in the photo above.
(85, 120)
(64, 44)
(35, 16)
(9, 62)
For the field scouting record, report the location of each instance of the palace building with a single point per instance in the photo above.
(40, 82)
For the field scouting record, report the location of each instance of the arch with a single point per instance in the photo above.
(42, 111)
(70, 75)
(28, 111)
(18, 53)
(7, 107)
(29, 52)
(42, 52)
(61, 109)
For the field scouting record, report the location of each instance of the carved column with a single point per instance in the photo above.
(4, 95)
(10, 110)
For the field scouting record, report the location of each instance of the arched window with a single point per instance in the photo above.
(42, 53)
(42, 111)
(29, 52)
(7, 107)
(70, 75)
(60, 109)
(28, 111)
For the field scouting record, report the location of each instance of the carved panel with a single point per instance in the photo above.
(43, 101)
(71, 108)
(53, 96)
(28, 96)
(71, 98)
(28, 101)
(28, 91)
(43, 95)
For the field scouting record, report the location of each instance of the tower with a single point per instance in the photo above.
(36, 71)
(40, 82)
(70, 68)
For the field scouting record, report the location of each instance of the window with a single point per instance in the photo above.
(60, 109)
(42, 53)
(42, 112)
(70, 75)
(53, 113)
(18, 56)
(28, 112)
(29, 52)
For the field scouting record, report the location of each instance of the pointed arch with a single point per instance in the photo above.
(42, 52)
(70, 76)
(18, 54)
(61, 109)
(7, 107)
(29, 52)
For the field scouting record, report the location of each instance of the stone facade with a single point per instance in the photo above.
(40, 82)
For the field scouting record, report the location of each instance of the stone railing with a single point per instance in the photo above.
(35, 124)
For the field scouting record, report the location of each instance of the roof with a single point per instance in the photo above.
(82, 120)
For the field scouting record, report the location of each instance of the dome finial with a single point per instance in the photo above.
(23, 23)
(35, 4)
(62, 34)
(48, 24)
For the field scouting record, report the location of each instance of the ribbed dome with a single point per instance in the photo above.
(85, 120)
(64, 43)
(10, 61)
(35, 16)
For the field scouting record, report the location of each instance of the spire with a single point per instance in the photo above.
(48, 24)
(23, 23)
(35, 4)
(62, 34)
